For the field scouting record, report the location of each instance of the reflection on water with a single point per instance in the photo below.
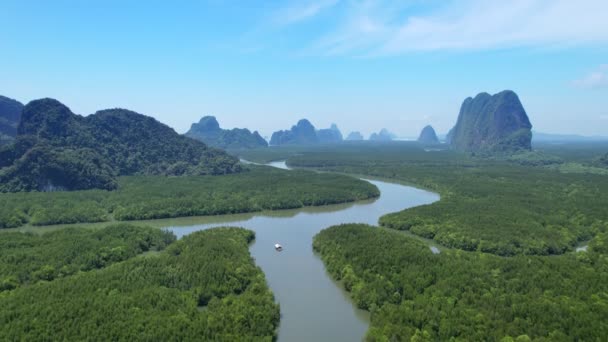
(279, 164)
(313, 306)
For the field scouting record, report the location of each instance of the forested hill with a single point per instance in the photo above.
(492, 123)
(56, 149)
(10, 112)
(208, 131)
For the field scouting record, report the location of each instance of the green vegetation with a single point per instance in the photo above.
(488, 205)
(26, 259)
(355, 153)
(523, 206)
(153, 197)
(580, 168)
(203, 287)
(467, 296)
(533, 158)
(10, 113)
(576, 152)
(507, 210)
(58, 150)
(274, 153)
(602, 161)
(576, 157)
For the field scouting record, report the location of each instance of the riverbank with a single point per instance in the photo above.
(313, 305)
(153, 197)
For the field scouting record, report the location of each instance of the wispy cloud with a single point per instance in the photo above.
(371, 29)
(595, 79)
(302, 11)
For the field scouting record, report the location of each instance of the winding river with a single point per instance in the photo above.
(313, 306)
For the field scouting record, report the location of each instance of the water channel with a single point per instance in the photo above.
(313, 306)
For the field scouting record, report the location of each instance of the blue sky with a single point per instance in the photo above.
(263, 65)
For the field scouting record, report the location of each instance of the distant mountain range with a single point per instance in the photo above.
(304, 133)
(208, 131)
(56, 149)
(383, 135)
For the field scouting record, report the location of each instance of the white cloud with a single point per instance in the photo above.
(302, 11)
(370, 29)
(595, 79)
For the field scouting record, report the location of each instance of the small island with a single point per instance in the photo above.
(355, 136)
(383, 135)
(492, 124)
(304, 133)
(208, 131)
(428, 136)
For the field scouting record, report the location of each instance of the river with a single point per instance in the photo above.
(313, 306)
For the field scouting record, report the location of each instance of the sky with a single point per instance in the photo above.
(264, 65)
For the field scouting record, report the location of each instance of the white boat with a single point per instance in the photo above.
(278, 247)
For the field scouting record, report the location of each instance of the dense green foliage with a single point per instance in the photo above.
(510, 206)
(203, 287)
(27, 258)
(10, 114)
(58, 150)
(353, 152)
(576, 157)
(208, 131)
(467, 296)
(489, 205)
(274, 153)
(532, 158)
(492, 123)
(153, 197)
(576, 152)
(507, 210)
(602, 161)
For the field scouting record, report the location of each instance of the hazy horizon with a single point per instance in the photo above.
(364, 65)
